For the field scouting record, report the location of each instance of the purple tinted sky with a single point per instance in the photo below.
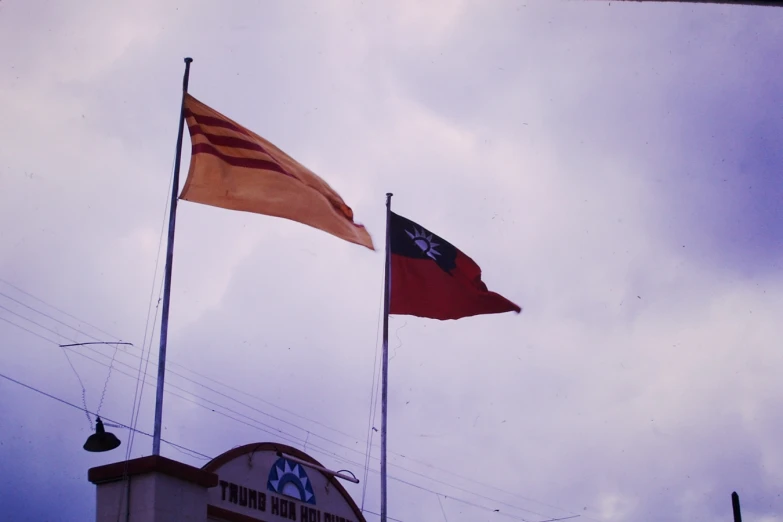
(615, 169)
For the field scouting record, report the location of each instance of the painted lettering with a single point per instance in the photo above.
(328, 517)
(308, 514)
(281, 507)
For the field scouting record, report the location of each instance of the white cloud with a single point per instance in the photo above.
(639, 383)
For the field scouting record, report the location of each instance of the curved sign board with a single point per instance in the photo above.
(260, 482)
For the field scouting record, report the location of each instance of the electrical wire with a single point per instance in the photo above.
(196, 382)
(463, 501)
(280, 433)
(48, 316)
(378, 515)
(254, 423)
(28, 294)
(72, 405)
(263, 427)
(440, 503)
(373, 398)
(171, 363)
(138, 393)
(293, 439)
(273, 429)
(174, 363)
(55, 332)
(67, 358)
(192, 452)
(28, 330)
(106, 382)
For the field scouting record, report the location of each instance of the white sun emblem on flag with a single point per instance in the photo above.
(424, 242)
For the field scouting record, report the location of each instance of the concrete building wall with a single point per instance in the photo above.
(160, 490)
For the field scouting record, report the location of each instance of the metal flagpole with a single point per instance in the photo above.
(164, 319)
(385, 367)
(735, 505)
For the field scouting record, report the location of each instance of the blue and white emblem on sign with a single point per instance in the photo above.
(290, 479)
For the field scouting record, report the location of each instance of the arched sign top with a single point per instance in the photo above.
(258, 482)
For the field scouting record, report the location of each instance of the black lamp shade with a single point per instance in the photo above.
(101, 440)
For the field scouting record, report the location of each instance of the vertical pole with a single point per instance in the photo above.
(736, 507)
(385, 368)
(164, 319)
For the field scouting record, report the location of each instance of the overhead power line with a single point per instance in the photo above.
(170, 362)
(254, 423)
(72, 405)
(70, 327)
(202, 455)
(28, 294)
(273, 430)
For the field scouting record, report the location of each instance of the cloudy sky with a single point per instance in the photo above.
(614, 168)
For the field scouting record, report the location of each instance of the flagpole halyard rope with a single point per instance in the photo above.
(373, 400)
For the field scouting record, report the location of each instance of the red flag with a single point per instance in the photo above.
(431, 278)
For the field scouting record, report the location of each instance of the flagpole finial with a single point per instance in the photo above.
(188, 59)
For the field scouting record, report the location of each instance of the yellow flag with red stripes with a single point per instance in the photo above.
(232, 167)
